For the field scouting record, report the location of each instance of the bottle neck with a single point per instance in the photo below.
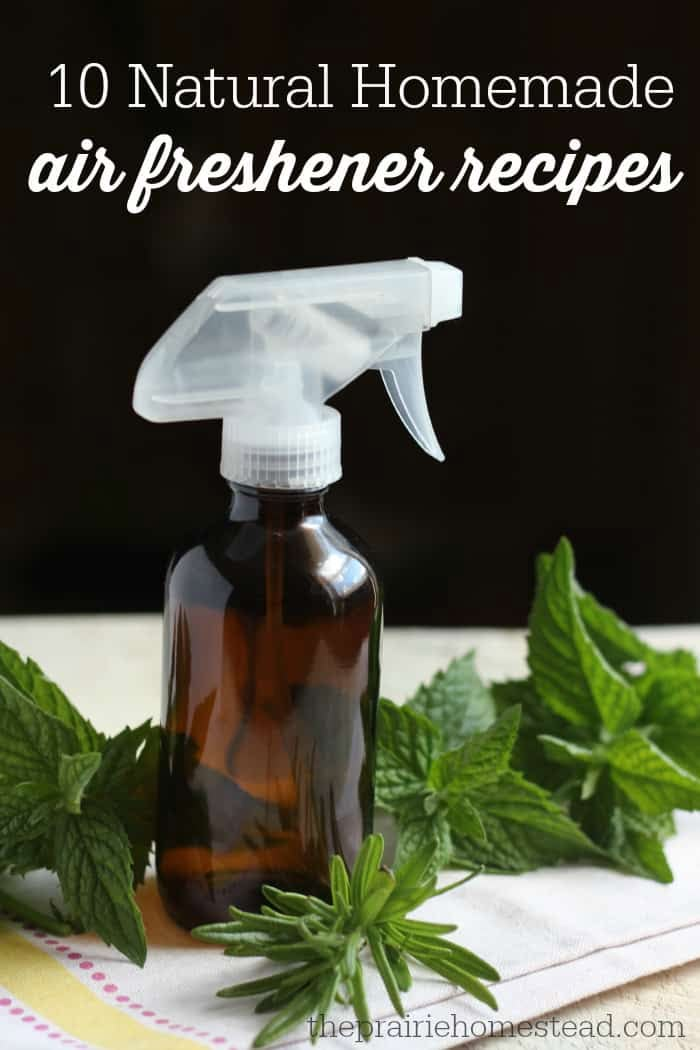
(282, 508)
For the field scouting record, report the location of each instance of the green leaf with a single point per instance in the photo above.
(569, 672)
(419, 926)
(590, 781)
(74, 774)
(520, 692)
(524, 829)
(359, 1002)
(649, 777)
(119, 755)
(400, 968)
(407, 743)
(470, 962)
(565, 752)
(536, 718)
(673, 703)
(631, 840)
(480, 760)
(681, 745)
(298, 1010)
(464, 819)
(340, 884)
(673, 700)
(329, 989)
(25, 815)
(614, 638)
(294, 977)
(639, 847)
(20, 856)
(453, 972)
(386, 971)
(28, 678)
(415, 868)
(620, 645)
(31, 741)
(418, 831)
(300, 903)
(365, 868)
(444, 949)
(381, 888)
(93, 865)
(127, 782)
(301, 951)
(456, 701)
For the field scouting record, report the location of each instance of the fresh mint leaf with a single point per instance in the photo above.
(524, 829)
(620, 645)
(119, 755)
(536, 718)
(569, 672)
(632, 841)
(649, 777)
(28, 678)
(135, 802)
(407, 744)
(520, 692)
(20, 856)
(419, 831)
(642, 854)
(74, 774)
(464, 819)
(615, 639)
(673, 700)
(480, 760)
(565, 752)
(639, 846)
(456, 701)
(31, 741)
(93, 863)
(26, 814)
(672, 705)
(681, 745)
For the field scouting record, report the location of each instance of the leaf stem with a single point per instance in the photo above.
(21, 910)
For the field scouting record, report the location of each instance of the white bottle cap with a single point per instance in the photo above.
(258, 451)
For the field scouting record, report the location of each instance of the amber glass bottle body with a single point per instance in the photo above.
(271, 674)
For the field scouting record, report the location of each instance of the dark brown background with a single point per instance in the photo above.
(565, 400)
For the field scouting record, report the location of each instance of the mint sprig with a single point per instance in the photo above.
(75, 802)
(607, 747)
(466, 803)
(632, 758)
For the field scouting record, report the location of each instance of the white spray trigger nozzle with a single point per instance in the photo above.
(264, 352)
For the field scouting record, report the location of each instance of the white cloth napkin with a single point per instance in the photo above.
(556, 935)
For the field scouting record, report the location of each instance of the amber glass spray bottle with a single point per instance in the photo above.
(273, 617)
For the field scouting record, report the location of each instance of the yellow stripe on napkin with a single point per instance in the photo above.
(44, 984)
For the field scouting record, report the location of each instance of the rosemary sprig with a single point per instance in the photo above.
(368, 910)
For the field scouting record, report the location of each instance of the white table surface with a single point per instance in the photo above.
(110, 667)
